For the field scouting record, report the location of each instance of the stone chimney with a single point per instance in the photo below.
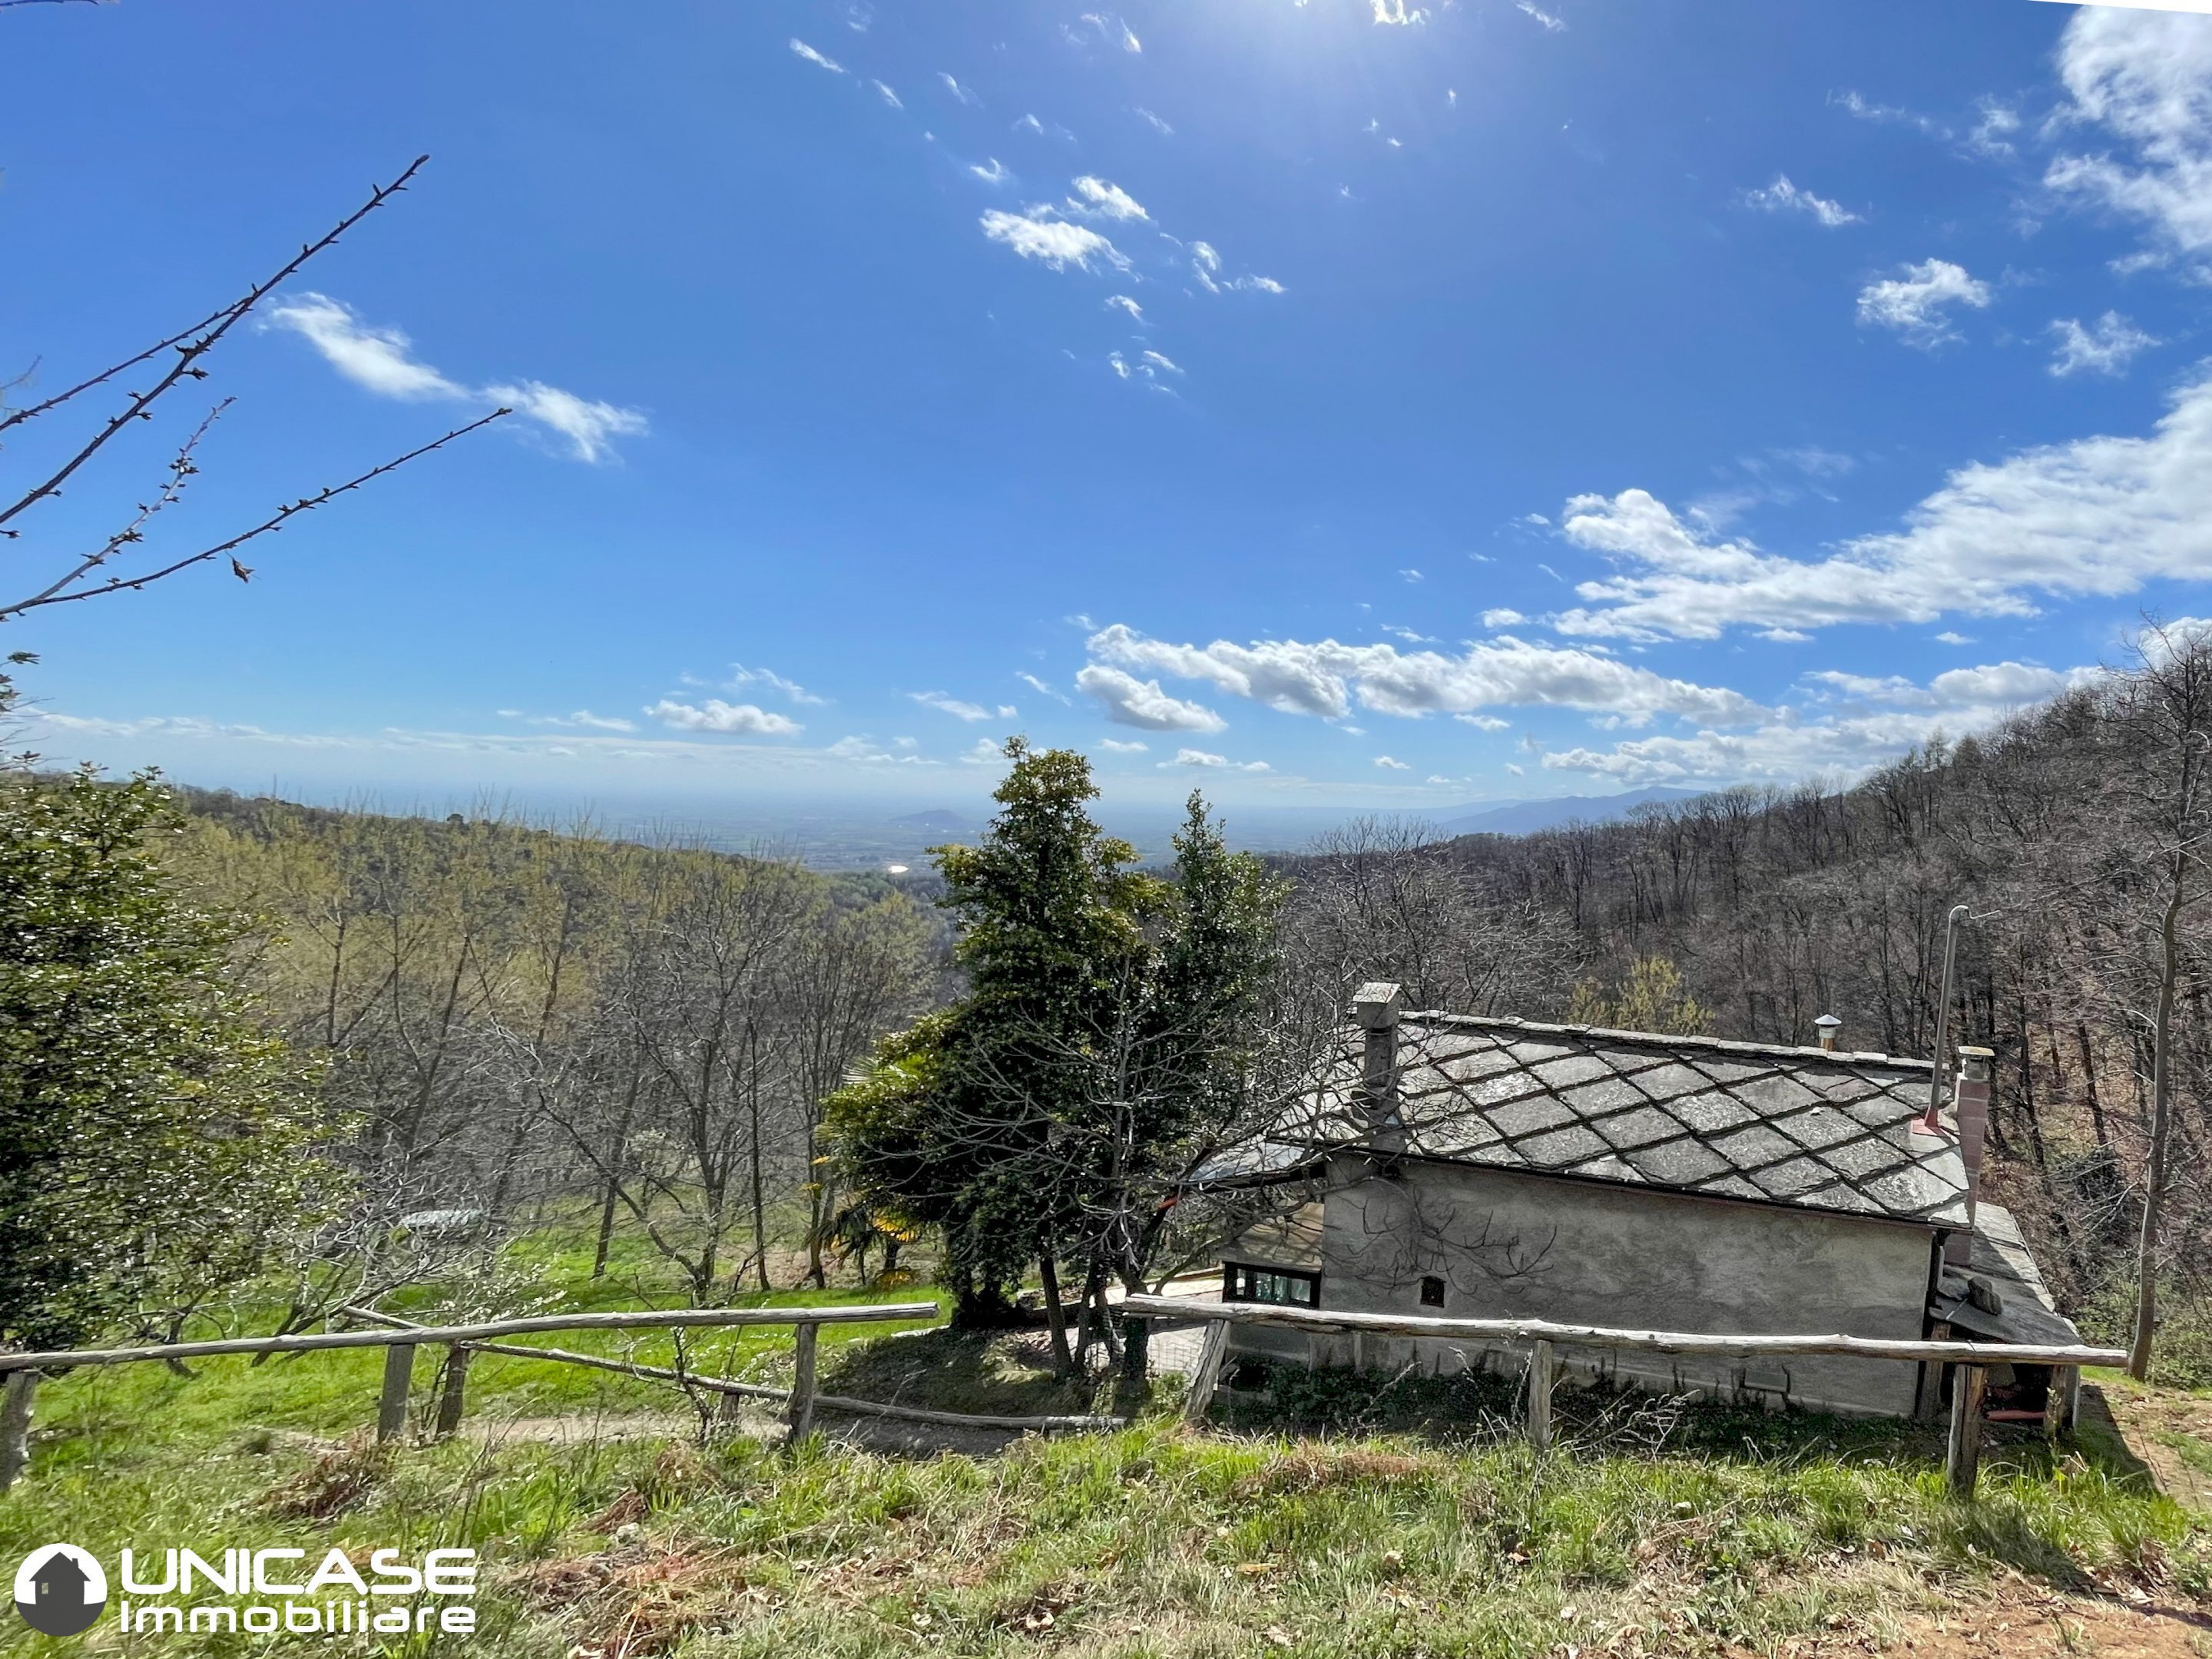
(1970, 1110)
(1377, 1007)
(1829, 1027)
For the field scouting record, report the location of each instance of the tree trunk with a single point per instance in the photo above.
(759, 1182)
(1055, 1316)
(2161, 1127)
(16, 1398)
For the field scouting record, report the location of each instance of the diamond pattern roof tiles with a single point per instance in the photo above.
(1796, 1127)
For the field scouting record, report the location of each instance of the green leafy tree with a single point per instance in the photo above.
(154, 1139)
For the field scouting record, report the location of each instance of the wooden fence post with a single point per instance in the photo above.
(15, 1402)
(802, 1384)
(399, 1378)
(1203, 1381)
(2062, 1409)
(1963, 1465)
(1540, 1368)
(452, 1397)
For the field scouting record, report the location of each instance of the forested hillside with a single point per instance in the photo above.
(510, 1018)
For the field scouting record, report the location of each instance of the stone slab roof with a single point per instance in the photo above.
(1802, 1127)
(2026, 1311)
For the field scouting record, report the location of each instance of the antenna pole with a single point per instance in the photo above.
(1932, 1124)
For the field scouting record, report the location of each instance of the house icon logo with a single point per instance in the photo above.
(60, 1589)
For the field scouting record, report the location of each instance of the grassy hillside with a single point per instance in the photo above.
(1407, 1519)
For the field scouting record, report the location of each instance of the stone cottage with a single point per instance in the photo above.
(1484, 1168)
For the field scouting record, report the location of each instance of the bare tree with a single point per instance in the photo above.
(170, 364)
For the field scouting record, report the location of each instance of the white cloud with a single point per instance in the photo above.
(1114, 30)
(2146, 77)
(582, 721)
(1201, 757)
(379, 359)
(1484, 722)
(1116, 746)
(2100, 515)
(715, 715)
(1205, 265)
(1551, 24)
(1053, 241)
(1878, 721)
(376, 359)
(1038, 685)
(1783, 197)
(868, 752)
(1107, 201)
(1325, 679)
(1411, 575)
(2107, 346)
(965, 94)
(814, 56)
(1952, 636)
(1866, 110)
(1388, 764)
(1160, 362)
(1128, 701)
(1916, 303)
(1501, 618)
(887, 95)
(1155, 122)
(1395, 12)
(1123, 302)
(586, 424)
(982, 752)
(953, 705)
(741, 674)
(1992, 135)
(1029, 124)
(996, 174)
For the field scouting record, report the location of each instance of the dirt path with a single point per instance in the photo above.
(2027, 1624)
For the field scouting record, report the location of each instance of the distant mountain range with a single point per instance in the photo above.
(1523, 817)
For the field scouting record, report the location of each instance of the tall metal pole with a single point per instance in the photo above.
(1932, 1124)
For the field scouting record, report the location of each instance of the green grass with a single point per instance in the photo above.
(1326, 1515)
(1405, 1523)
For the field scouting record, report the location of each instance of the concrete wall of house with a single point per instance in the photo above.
(1510, 1246)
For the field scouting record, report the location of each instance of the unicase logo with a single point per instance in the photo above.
(60, 1589)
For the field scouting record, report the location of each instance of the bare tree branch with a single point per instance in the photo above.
(275, 521)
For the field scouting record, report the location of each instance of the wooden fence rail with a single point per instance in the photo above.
(1542, 1338)
(400, 1337)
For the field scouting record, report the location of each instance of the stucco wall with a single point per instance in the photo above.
(1588, 1253)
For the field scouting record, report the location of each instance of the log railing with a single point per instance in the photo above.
(19, 1373)
(1542, 1338)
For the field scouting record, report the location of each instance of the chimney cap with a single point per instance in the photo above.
(1978, 1053)
(1829, 1022)
(1377, 1005)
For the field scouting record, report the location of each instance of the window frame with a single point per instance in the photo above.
(1233, 1282)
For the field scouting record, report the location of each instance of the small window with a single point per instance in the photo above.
(1432, 1292)
(1241, 1283)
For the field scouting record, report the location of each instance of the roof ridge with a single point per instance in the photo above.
(1724, 1045)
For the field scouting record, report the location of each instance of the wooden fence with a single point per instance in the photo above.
(1542, 1338)
(400, 1339)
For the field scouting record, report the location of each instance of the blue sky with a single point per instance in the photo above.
(1328, 402)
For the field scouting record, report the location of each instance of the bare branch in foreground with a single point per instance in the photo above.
(275, 521)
